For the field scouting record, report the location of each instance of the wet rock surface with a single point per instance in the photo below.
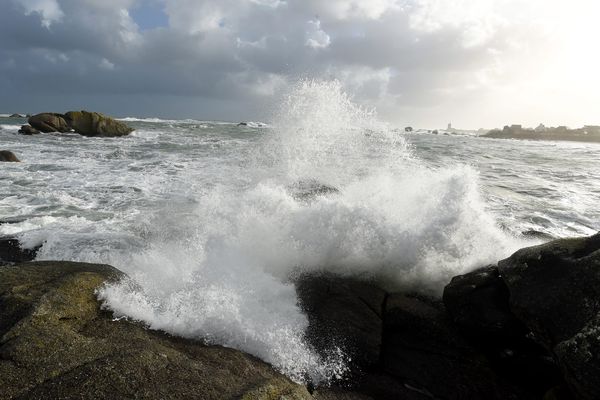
(56, 342)
(555, 290)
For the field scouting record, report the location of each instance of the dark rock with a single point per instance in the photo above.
(343, 312)
(57, 342)
(422, 348)
(242, 124)
(95, 124)
(8, 156)
(11, 250)
(555, 290)
(309, 189)
(16, 116)
(533, 234)
(408, 129)
(28, 130)
(49, 122)
(479, 305)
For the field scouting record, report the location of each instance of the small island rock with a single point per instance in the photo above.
(49, 122)
(28, 130)
(88, 123)
(9, 156)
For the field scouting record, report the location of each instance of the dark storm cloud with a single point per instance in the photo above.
(234, 55)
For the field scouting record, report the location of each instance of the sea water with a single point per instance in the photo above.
(212, 221)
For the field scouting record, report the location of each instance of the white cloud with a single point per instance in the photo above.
(49, 10)
(315, 36)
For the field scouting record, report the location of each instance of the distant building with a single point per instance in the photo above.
(449, 126)
(540, 128)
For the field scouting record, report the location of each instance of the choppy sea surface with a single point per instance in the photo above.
(212, 221)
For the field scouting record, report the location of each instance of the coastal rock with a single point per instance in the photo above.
(8, 156)
(423, 349)
(12, 252)
(555, 290)
(345, 313)
(57, 342)
(16, 116)
(478, 303)
(49, 122)
(95, 124)
(28, 130)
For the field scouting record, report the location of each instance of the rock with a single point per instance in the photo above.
(479, 305)
(12, 252)
(95, 124)
(57, 342)
(310, 189)
(422, 348)
(28, 130)
(49, 122)
(242, 124)
(8, 156)
(555, 290)
(533, 234)
(408, 129)
(16, 116)
(345, 313)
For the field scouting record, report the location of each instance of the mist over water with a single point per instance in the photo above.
(212, 222)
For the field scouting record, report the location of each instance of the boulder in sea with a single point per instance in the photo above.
(57, 342)
(310, 189)
(88, 123)
(555, 290)
(9, 156)
(408, 129)
(28, 130)
(49, 122)
(16, 116)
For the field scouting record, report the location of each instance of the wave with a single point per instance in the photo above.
(221, 268)
(8, 127)
(161, 121)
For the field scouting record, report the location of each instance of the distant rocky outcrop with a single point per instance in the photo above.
(28, 130)
(95, 124)
(16, 116)
(49, 122)
(588, 133)
(85, 123)
(9, 156)
(58, 343)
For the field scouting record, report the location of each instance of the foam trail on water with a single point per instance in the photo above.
(222, 271)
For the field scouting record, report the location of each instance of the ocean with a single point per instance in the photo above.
(213, 221)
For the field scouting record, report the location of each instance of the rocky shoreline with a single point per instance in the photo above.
(526, 328)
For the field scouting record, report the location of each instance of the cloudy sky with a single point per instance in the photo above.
(475, 63)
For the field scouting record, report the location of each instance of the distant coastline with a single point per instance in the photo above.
(588, 133)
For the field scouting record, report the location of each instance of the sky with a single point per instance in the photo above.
(423, 63)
